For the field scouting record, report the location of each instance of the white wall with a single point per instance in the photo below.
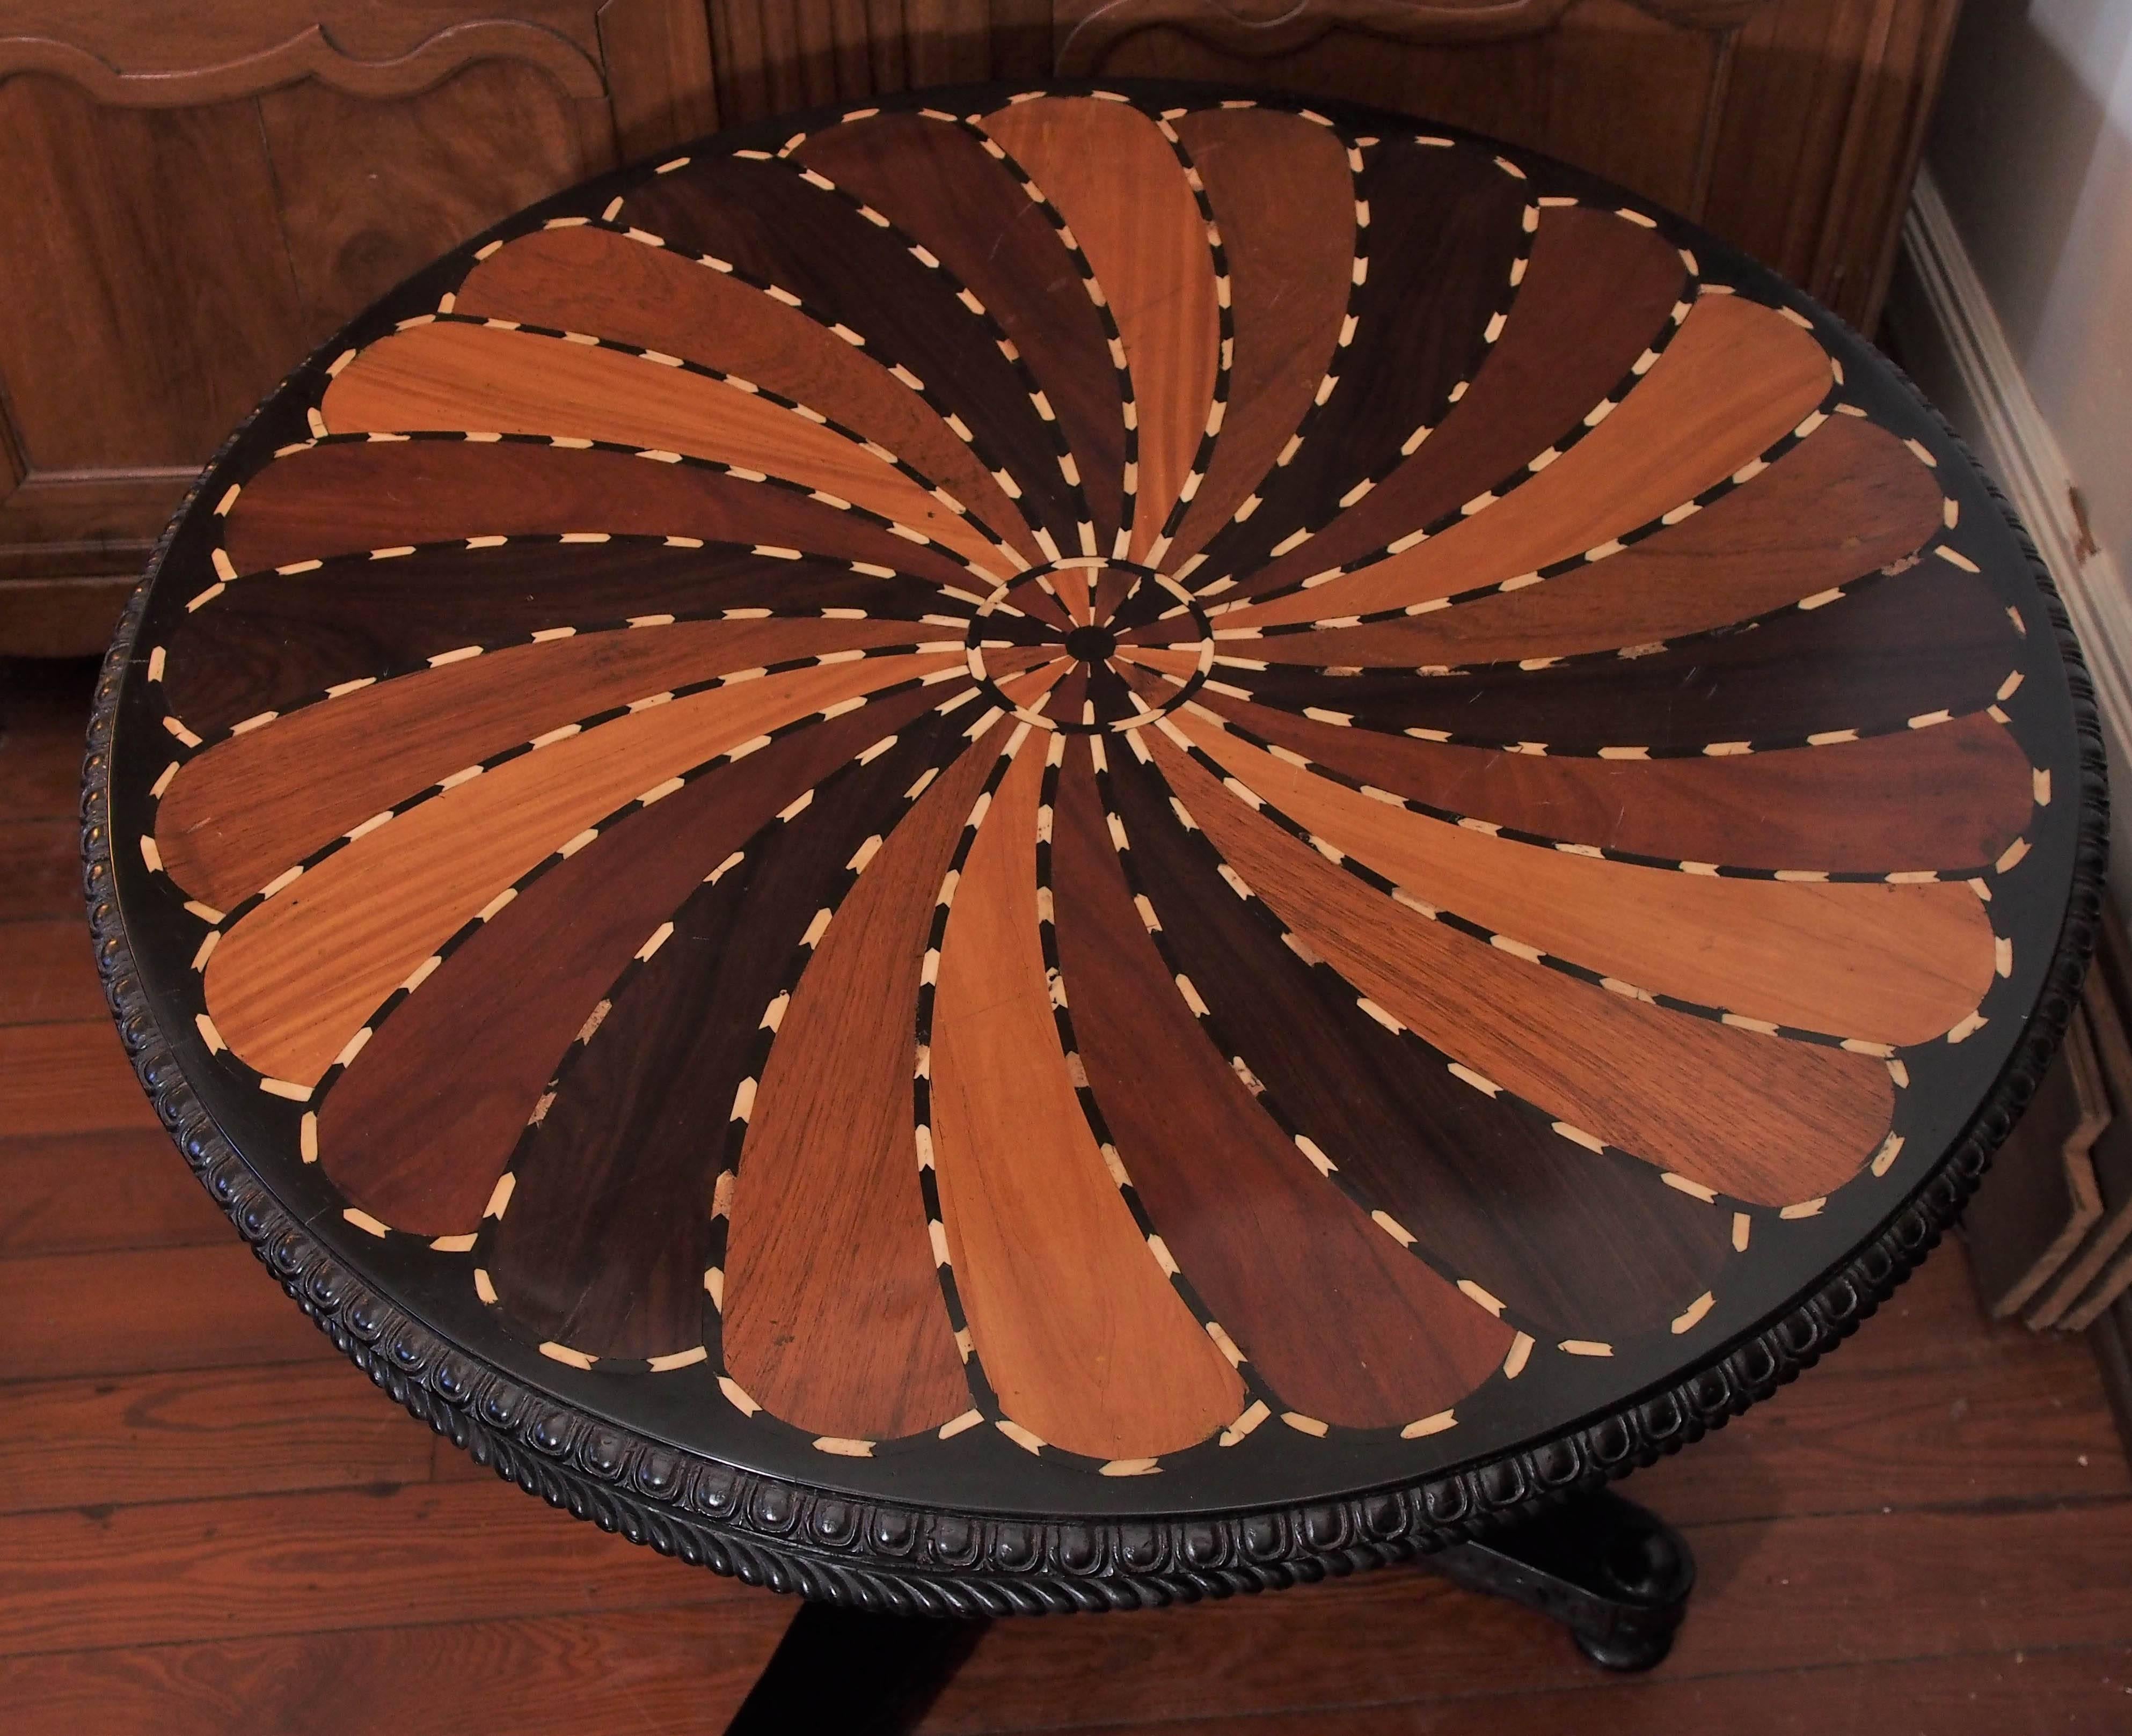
(2012, 305)
(2032, 150)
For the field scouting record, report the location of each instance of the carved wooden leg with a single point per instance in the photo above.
(854, 1672)
(1613, 1573)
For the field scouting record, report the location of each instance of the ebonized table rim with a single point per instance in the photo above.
(791, 1536)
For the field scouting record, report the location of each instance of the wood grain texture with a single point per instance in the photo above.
(1122, 190)
(1282, 195)
(421, 1149)
(1758, 1118)
(594, 282)
(1846, 501)
(765, 219)
(1450, 249)
(335, 500)
(294, 982)
(1519, 986)
(148, 1199)
(516, 382)
(1598, 290)
(1667, 442)
(1440, 1158)
(1949, 797)
(1917, 644)
(606, 1240)
(939, 184)
(252, 805)
(1347, 1327)
(166, 1435)
(1085, 1343)
(833, 1311)
(1982, 1454)
(445, 163)
(267, 644)
(67, 1079)
(50, 977)
(1890, 964)
(310, 1564)
(121, 1312)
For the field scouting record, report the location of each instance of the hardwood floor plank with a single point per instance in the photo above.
(1855, 1590)
(44, 722)
(2022, 1694)
(68, 1079)
(82, 1314)
(40, 870)
(652, 1673)
(304, 1563)
(122, 1187)
(1862, 1439)
(96, 1444)
(50, 974)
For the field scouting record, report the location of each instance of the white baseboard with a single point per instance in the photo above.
(1952, 337)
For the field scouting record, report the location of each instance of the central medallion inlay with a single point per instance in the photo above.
(1090, 644)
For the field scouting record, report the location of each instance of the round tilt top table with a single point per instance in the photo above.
(1038, 850)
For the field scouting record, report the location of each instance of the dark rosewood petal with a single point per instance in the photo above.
(1451, 226)
(348, 497)
(834, 1316)
(1738, 379)
(1582, 1246)
(1847, 500)
(936, 182)
(1949, 797)
(1345, 1324)
(268, 642)
(1890, 964)
(294, 977)
(606, 1238)
(1079, 1332)
(768, 221)
(419, 1146)
(607, 285)
(1598, 292)
(1756, 1116)
(247, 808)
(1929, 641)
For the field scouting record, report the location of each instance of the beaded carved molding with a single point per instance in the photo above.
(1096, 802)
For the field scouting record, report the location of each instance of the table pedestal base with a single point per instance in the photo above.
(854, 1671)
(1613, 1573)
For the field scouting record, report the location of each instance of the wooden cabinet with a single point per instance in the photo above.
(196, 197)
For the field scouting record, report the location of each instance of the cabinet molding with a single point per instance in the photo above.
(313, 54)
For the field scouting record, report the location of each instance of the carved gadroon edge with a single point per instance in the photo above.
(919, 1561)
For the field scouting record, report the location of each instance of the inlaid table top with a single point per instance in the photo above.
(1039, 847)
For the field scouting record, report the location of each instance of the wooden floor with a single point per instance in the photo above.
(210, 1522)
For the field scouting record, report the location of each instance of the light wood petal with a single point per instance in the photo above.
(1888, 964)
(1116, 182)
(833, 1316)
(609, 286)
(1738, 378)
(250, 806)
(294, 978)
(484, 379)
(1081, 1336)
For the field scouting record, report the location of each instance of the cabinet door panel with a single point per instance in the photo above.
(150, 300)
(372, 191)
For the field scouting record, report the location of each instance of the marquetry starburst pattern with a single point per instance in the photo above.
(1097, 786)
